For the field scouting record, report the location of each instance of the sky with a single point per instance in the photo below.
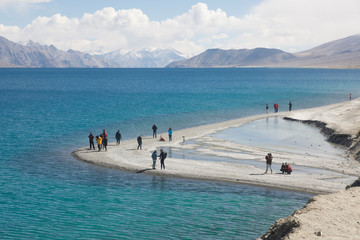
(188, 26)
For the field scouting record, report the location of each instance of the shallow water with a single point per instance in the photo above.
(277, 134)
(48, 113)
(271, 133)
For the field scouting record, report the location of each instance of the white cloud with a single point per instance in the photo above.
(290, 25)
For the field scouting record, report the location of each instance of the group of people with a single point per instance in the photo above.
(102, 140)
(285, 167)
(162, 158)
(170, 132)
(276, 107)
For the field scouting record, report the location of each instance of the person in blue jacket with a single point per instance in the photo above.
(154, 157)
(170, 134)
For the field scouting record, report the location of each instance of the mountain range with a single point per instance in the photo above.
(42, 56)
(342, 53)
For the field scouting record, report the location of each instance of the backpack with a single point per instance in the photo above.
(165, 155)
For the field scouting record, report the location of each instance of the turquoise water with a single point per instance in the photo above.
(47, 113)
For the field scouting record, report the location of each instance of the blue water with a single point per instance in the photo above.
(48, 113)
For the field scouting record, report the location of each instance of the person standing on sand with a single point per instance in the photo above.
(99, 142)
(154, 157)
(170, 134)
(162, 158)
(91, 141)
(139, 141)
(290, 106)
(267, 108)
(268, 158)
(105, 139)
(118, 137)
(154, 128)
(350, 96)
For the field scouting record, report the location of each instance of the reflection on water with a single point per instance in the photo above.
(276, 134)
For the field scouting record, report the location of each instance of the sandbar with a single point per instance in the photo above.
(342, 117)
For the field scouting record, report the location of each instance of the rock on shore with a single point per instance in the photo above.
(334, 216)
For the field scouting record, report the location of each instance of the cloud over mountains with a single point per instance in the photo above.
(291, 25)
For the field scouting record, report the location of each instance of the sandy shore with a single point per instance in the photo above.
(341, 172)
(335, 216)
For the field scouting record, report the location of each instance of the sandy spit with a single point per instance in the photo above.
(332, 214)
(126, 156)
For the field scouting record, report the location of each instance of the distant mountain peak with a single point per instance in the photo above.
(341, 53)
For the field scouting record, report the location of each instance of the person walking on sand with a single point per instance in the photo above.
(290, 106)
(162, 157)
(269, 159)
(105, 139)
(139, 141)
(91, 141)
(267, 108)
(170, 134)
(154, 128)
(154, 157)
(118, 137)
(99, 142)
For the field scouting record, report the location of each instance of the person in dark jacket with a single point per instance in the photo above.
(139, 140)
(162, 158)
(154, 128)
(290, 106)
(91, 141)
(269, 159)
(118, 137)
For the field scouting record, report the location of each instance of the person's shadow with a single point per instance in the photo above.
(144, 170)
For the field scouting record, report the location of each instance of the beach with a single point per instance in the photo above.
(338, 174)
(341, 118)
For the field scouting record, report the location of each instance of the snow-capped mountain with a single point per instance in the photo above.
(144, 58)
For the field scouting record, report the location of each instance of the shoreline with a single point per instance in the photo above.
(333, 213)
(126, 157)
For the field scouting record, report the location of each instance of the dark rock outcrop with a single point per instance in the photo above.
(342, 139)
(281, 229)
(354, 184)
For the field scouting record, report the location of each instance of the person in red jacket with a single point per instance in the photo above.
(105, 139)
(288, 168)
